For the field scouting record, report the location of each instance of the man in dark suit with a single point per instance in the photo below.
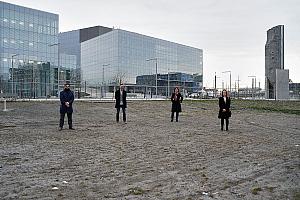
(120, 96)
(66, 100)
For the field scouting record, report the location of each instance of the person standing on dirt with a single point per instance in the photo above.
(121, 102)
(176, 99)
(224, 111)
(66, 100)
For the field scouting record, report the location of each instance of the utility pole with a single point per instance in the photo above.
(229, 79)
(168, 82)
(253, 85)
(215, 93)
(216, 89)
(222, 84)
(234, 88)
(238, 86)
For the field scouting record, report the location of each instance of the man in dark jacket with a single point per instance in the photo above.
(66, 100)
(120, 96)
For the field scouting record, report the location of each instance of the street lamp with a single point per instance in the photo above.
(229, 78)
(12, 72)
(104, 65)
(238, 87)
(253, 95)
(64, 78)
(168, 82)
(215, 93)
(222, 84)
(155, 73)
(58, 63)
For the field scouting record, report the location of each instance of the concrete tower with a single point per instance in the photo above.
(277, 79)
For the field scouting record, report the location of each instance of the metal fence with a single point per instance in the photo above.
(43, 90)
(33, 90)
(134, 91)
(36, 90)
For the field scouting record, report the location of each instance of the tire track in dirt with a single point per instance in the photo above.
(250, 122)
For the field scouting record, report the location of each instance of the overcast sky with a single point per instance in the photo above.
(232, 33)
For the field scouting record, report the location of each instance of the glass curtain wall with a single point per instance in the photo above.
(126, 55)
(28, 54)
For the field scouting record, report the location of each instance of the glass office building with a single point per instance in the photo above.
(28, 51)
(69, 44)
(125, 55)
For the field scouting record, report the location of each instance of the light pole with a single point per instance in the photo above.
(253, 87)
(64, 78)
(222, 84)
(104, 65)
(215, 93)
(58, 63)
(155, 73)
(168, 82)
(12, 73)
(238, 87)
(96, 90)
(229, 79)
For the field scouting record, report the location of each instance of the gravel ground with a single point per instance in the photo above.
(149, 157)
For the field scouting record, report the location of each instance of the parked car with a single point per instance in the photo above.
(194, 95)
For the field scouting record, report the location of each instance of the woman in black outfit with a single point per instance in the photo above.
(224, 112)
(176, 99)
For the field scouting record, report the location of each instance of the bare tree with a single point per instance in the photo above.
(119, 78)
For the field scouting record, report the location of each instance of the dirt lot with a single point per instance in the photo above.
(150, 157)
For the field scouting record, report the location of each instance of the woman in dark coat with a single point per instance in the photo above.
(224, 112)
(176, 99)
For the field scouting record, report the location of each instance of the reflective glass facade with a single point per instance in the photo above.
(27, 51)
(120, 53)
(69, 44)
